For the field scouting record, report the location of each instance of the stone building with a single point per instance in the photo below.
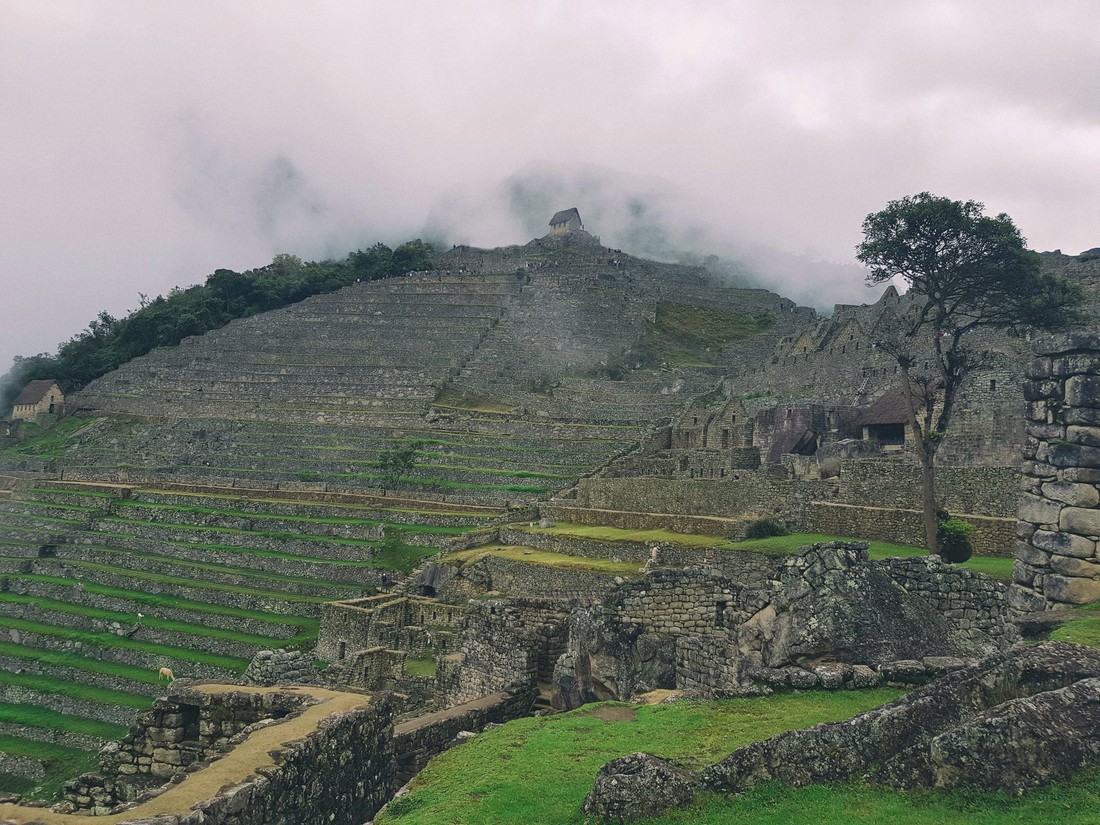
(42, 396)
(567, 220)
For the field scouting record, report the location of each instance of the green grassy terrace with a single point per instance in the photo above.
(538, 770)
(61, 764)
(995, 566)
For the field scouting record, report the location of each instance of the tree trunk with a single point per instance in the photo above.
(928, 500)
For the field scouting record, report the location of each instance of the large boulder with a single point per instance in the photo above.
(830, 603)
(638, 785)
(606, 658)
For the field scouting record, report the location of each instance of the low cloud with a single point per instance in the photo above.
(153, 144)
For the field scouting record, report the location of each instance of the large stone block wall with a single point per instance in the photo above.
(1057, 558)
(508, 645)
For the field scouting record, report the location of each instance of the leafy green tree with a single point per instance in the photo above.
(399, 461)
(412, 256)
(968, 271)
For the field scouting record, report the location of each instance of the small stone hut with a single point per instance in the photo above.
(567, 220)
(41, 396)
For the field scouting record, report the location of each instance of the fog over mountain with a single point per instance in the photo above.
(147, 144)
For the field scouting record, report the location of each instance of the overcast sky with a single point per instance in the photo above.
(146, 144)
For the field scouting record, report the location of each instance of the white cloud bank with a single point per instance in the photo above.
(145, 144)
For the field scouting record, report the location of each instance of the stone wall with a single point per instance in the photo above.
(507, 645)
(675, 602)
(990, 491)
(312, 778)
(991, 536)
(418, 740)
(749, 497)
(1057, 558)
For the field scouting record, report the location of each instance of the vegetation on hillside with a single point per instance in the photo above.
(109, 342)
(538, 770)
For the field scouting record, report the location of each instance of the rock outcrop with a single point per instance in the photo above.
(638, 785)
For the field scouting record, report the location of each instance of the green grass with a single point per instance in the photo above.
(75, 661)
(176, 626)
(420, 667)
(110, 640)
(47, 443)
(198, 584)
(161, 600)
(538, 770)
(74, 690)
(685, 334)
(38, 717)
(1082, 631)
(404, 558)
(61, 764)
(994, 566)
(456, 399)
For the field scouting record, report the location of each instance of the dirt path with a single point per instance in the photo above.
(231, 769)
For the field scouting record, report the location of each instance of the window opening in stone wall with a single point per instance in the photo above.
(992, 384)
(343, 651)
(720, 614)
(725, 439)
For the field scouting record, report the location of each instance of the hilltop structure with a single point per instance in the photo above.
(567, 220)
(38, 397)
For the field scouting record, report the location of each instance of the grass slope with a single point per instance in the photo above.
(538, 770)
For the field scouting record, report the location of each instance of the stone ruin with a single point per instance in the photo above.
(1013, 722)
(1058, 557)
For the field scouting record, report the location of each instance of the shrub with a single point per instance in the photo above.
(763, 528)
(953, 535)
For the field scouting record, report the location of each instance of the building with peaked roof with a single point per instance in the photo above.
(567, 220)
(41, 396)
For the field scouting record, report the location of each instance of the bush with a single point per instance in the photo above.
(953, 535)
(764, 528)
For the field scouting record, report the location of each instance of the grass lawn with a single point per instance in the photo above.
(61, 764)
(1082, 631)
(538, 770)
(995, 566)
(38, 717)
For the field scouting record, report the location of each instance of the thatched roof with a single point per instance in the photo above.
(34, 392)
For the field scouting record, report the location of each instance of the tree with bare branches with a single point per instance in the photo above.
(968, 271)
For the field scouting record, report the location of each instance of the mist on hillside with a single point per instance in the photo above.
(647, 217)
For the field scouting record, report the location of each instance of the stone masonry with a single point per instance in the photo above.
(1058, 522)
